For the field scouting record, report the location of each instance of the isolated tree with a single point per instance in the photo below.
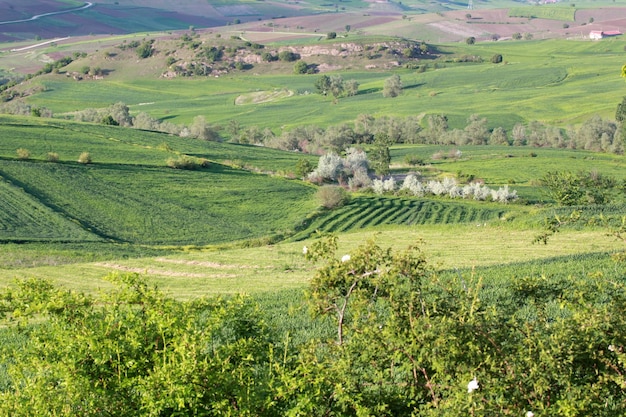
(348, 27)
(336, 86)
(300, 67)
(322, 84)
(331, 35)
(392, 86)
(496, 59)
(332, 196)
(145, 49)
(517, 36)
(303, 167)
(351, 87)
(288, 56)
(470, 41)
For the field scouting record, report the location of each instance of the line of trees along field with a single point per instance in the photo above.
(595, 134)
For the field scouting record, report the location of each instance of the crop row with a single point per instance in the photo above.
(23, 218)
(164, 206)
(365, 212)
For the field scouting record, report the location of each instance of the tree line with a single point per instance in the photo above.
(594, 134)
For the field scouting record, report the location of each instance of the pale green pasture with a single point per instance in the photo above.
(280, 267)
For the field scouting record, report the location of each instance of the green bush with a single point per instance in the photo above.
(332, 196)
(187, 162)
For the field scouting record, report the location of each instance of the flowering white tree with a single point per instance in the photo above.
(329, 167)
(413, 185)
(503, 194)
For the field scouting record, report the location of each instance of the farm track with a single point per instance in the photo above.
(39, 16)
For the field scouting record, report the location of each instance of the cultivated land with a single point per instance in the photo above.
(556, 79)
(239, 219)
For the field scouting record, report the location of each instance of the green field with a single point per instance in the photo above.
(556, 13)
(557, 82)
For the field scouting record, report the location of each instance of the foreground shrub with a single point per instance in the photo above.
(332, 196)
(413, 343)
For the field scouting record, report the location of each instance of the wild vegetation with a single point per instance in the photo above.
(317, 216)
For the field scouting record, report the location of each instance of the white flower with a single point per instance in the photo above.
(345, 258)
(305, 250)
(472, 385)
(530, 414)
(612, 348)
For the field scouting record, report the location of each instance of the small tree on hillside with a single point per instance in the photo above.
(145, 49)
(392, 86)
(300, 67)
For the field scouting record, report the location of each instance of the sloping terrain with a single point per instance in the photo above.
(128, 194)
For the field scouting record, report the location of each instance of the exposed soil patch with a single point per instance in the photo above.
(160, 272)
(208, 264)
(262, 97)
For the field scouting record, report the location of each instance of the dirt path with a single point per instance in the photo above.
(39, 44)
(39, 16)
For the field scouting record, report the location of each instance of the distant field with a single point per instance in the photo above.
(546, 12)
(554, 81)
(114, 145)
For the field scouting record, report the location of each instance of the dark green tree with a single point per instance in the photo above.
(322, 85)
(300, 67)
(379, 155)
(303, 167)
(620, 113)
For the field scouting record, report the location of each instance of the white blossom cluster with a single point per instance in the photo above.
(448, 187)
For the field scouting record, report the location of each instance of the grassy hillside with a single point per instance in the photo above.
(128, 194)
